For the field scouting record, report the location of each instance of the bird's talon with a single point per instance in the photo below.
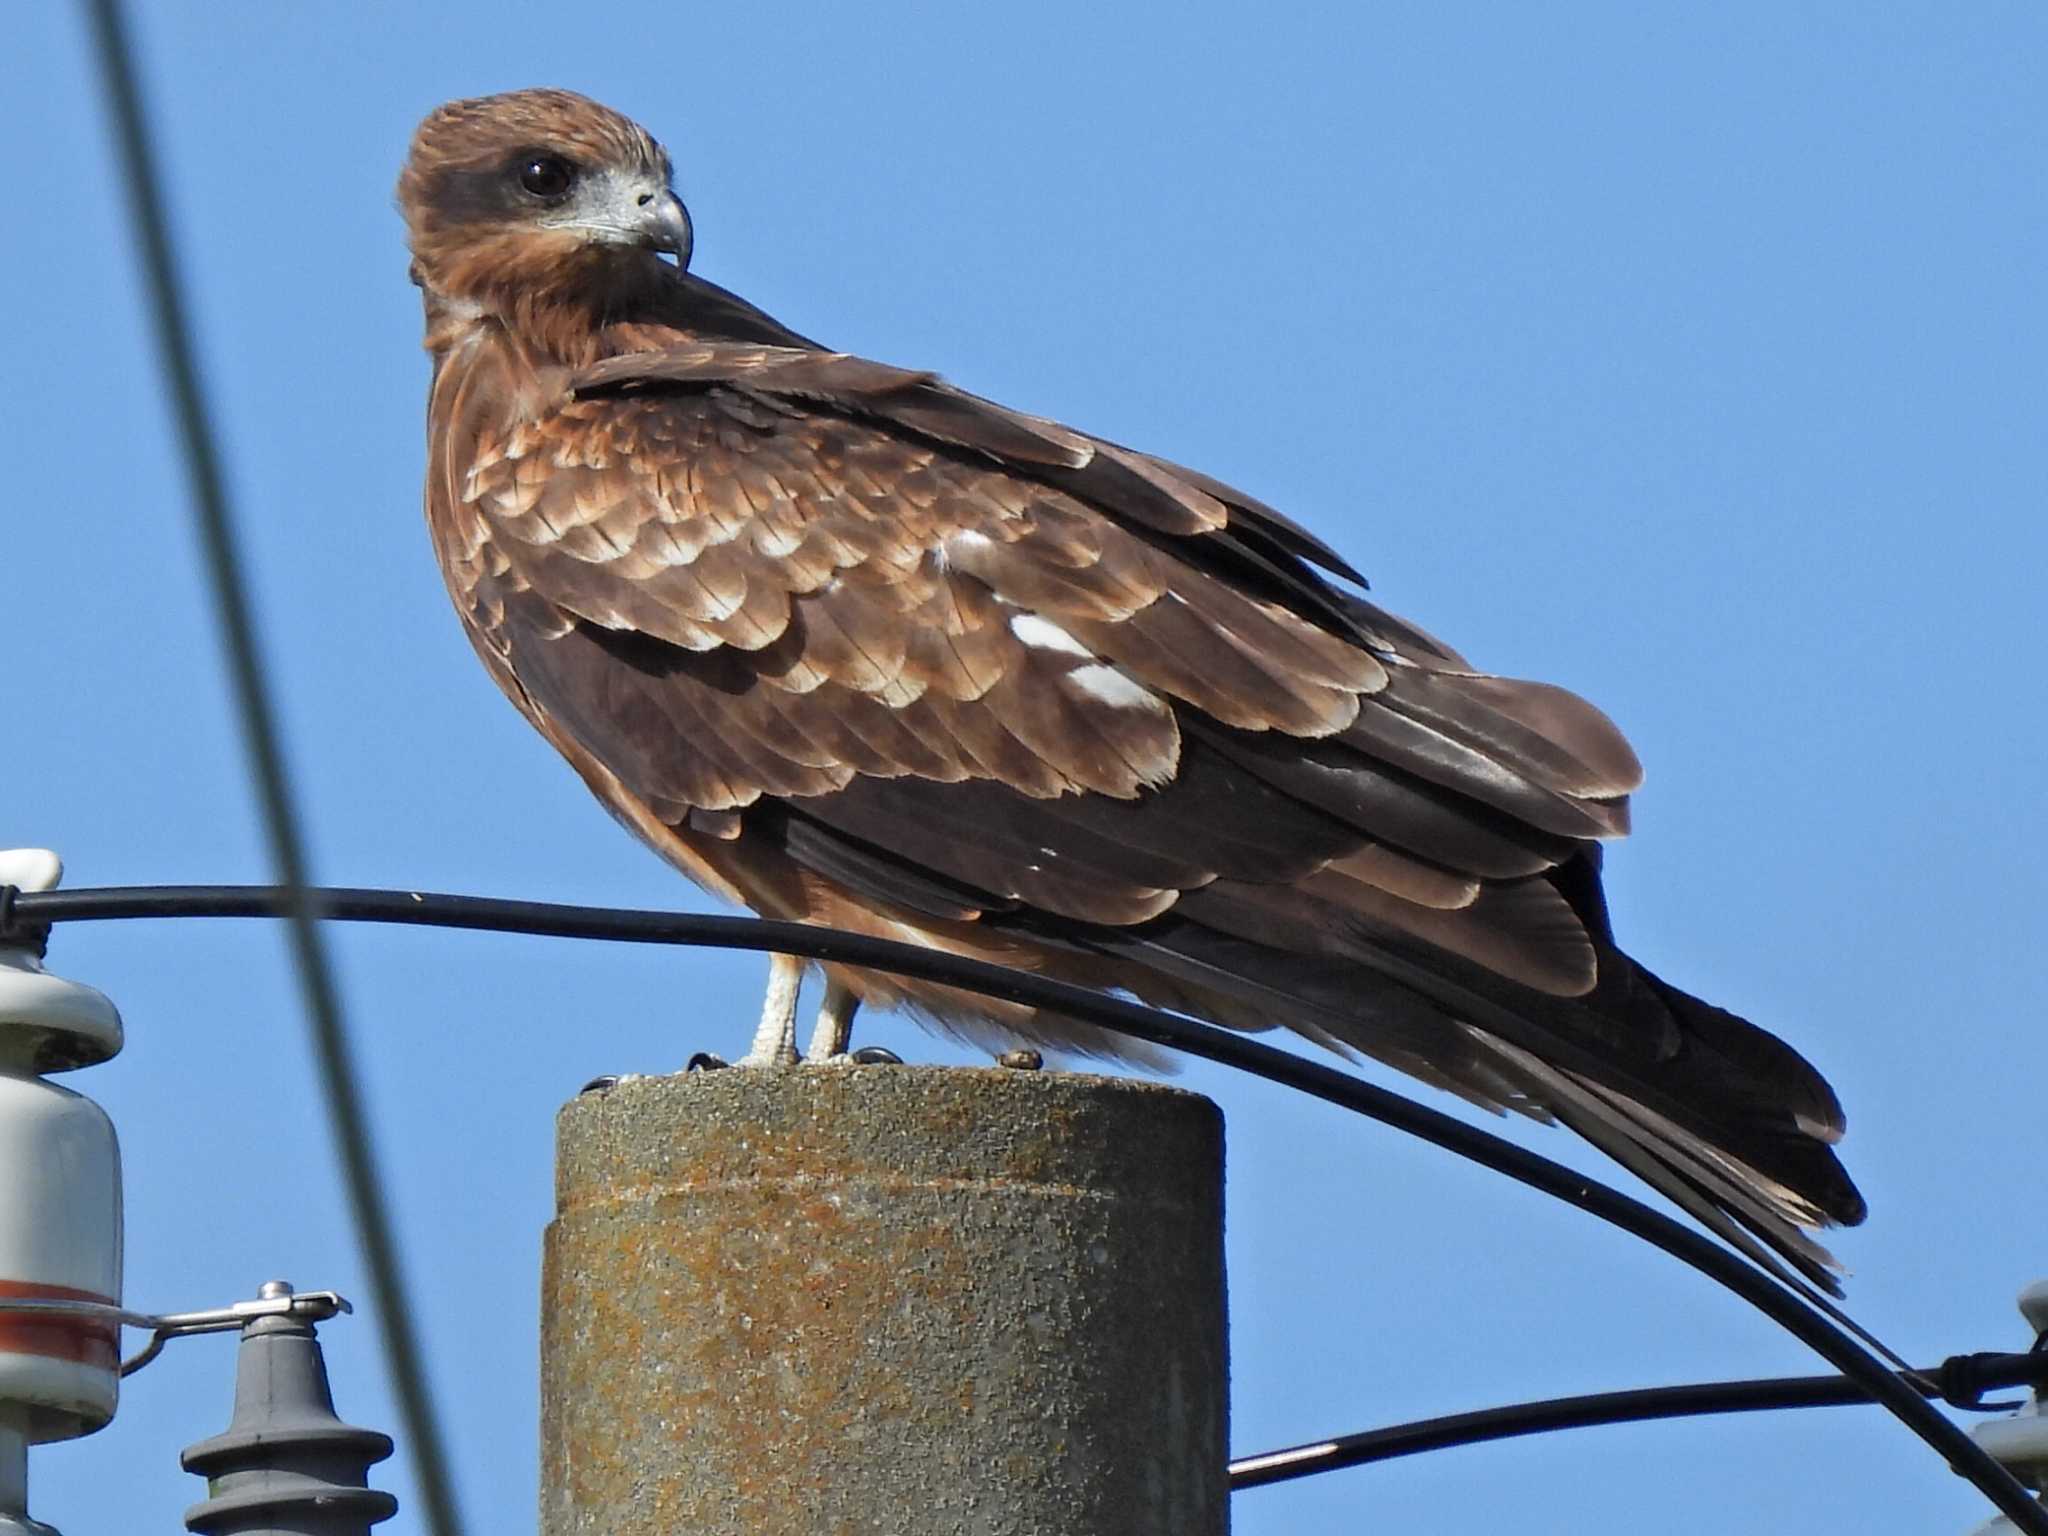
(872, 1056)
(604, 1084)
(704, 1061)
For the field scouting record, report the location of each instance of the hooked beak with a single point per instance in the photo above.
(664, 224)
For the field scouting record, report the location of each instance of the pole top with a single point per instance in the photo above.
(918, 1300)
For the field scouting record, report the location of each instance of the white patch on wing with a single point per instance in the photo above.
(965, 538)
(1046, 635)
(1107, 685)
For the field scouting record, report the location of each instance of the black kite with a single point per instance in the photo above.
(851, 646)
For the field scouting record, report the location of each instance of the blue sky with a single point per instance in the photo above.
(1694, 358)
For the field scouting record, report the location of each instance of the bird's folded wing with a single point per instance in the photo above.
(982, 668)
(735, 572)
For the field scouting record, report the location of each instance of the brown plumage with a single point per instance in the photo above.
(850, 646)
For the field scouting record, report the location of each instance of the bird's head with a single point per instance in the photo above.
(536, 197)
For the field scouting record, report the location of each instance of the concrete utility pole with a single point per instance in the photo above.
(885, 1299)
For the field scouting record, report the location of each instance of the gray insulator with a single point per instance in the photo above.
(286, 1466)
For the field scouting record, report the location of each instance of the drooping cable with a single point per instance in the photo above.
(427, 909)
(1634, 1406)
(208, 487)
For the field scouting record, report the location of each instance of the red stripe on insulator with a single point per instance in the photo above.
(81, 1340)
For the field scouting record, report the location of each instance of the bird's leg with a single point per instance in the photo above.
(835, 1025)
(775, 1041)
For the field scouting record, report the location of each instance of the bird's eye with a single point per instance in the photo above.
(546, 175)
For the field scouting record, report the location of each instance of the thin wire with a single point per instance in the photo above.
(208, 487)
(1629, 1407)
(428, 909)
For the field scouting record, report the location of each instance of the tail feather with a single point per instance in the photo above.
(1727, 1121)
(1737, 1089)
(1721, 1193)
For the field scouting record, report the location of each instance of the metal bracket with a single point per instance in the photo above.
(309, 1306)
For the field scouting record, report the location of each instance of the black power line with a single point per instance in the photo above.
(426, 909)
(329, 1031)
(1635, 1406)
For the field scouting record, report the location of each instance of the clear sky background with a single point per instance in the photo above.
(1693, 357)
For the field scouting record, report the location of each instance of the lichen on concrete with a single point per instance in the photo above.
(885, 1299)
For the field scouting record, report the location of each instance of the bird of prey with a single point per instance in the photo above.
(853, 647)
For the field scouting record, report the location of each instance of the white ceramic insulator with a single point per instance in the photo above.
(2020, 1443)
(60, 1191)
